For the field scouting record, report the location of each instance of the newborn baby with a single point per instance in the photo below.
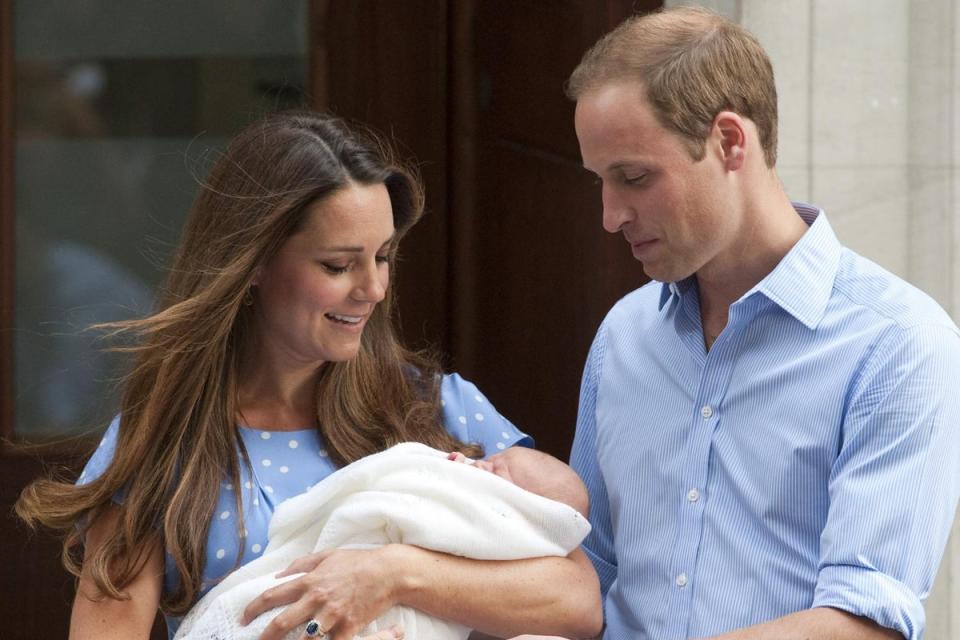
(537, 472)
(518, 504)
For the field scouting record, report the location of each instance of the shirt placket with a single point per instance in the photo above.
(706, 411)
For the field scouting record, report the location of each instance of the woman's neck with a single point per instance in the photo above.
(278, 399)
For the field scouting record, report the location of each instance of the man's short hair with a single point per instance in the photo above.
(693, 64)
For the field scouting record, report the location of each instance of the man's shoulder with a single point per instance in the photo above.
(640, 303)
(865, 284)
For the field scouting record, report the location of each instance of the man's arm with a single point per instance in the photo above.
(822, 623)
(599, 545)
(893, 495)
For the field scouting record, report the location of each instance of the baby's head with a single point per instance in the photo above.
(537, 472)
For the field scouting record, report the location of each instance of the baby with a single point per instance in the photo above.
(517, 504)
(537, 472)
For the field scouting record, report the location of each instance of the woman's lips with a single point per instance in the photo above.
(350, 323)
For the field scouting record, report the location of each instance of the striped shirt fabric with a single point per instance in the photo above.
(810, 458)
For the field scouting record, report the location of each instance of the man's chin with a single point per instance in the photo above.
(662, 273)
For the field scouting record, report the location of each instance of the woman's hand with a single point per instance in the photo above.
(342, 589)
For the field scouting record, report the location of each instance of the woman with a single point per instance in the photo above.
(271, 362)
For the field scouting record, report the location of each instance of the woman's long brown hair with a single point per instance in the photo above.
(178, 439)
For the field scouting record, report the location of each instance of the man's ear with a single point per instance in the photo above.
(732, 132)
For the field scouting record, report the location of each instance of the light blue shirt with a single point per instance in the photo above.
(811, 458)
(287, 463)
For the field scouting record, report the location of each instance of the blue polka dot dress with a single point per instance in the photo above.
(287, 463)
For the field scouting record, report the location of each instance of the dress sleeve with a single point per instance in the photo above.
(469, 417)
(598, 545)
(102, 457)
(895, 483)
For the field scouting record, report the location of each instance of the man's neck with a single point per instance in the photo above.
(771, 228)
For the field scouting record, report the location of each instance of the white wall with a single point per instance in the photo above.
(870, 131)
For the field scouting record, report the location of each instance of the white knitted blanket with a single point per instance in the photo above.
(408, 494)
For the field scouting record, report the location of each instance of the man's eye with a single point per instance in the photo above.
(640, 179)
(335, 269)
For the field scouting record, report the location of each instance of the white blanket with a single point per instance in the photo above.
(408, 494)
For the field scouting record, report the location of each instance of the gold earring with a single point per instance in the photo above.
(248, 297)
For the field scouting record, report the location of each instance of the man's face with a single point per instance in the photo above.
(673, 211)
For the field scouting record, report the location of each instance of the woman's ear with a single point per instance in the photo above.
(732, 132)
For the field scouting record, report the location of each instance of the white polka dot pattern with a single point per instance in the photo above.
(285, 464)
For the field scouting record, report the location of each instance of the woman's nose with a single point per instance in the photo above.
(372, 283)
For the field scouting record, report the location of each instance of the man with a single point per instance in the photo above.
(768, 431)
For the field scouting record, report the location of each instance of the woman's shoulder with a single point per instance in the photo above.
(103, 455)
(470, 417)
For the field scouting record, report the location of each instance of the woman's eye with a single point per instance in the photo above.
(385, 259)
(335, 269)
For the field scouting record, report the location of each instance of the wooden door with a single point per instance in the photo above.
(545, 271)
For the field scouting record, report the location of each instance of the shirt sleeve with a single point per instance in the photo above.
(583, 458)
(469, 417)
(102, 458)
(895, 484)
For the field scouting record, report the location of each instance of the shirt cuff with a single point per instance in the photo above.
(871, 594)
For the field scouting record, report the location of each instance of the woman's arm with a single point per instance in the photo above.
(96, 617)
(556, 596)
(346, 589)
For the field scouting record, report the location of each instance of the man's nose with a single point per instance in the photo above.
(616, 210)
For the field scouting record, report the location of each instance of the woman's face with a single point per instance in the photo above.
(315, 295)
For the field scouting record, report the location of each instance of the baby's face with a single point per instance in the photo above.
(495, 464)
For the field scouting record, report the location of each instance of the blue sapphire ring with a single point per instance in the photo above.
(315, 629)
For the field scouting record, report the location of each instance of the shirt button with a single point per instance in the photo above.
(693, 495)
(682, 580)
(706, 411)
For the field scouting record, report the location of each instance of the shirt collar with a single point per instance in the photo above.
(801, 284)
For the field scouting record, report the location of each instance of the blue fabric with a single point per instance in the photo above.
(287, 463)
(810, 458)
